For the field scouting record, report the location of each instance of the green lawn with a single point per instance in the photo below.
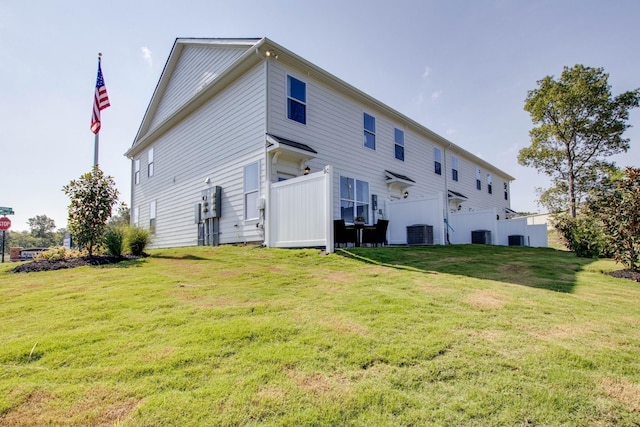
(465, 335)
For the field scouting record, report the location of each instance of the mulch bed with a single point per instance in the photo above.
(44, 265)
(626, 274)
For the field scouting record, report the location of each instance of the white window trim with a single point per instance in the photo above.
(251, 191)
(152, 216)
(136, 171)
(398, 144)
(354, 198)
(150, 164)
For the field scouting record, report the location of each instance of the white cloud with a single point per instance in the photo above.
(426, 73)
(435, 95)
(146, 54)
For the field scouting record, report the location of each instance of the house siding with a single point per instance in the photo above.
(334, 129)
(196, 68)
(214, 142)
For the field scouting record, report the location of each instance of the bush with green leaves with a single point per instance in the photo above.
(583, 235)
(619, 211)
(138, 239)
(92, 198)
(114, 239)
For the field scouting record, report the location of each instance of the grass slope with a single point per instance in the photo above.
(458, 335)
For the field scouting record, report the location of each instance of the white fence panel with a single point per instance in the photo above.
(300, 213)
(405, 212)
(511, 227)
(537, 236)
(463, 223)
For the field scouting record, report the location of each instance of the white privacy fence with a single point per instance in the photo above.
(300, 211)
(408, 212)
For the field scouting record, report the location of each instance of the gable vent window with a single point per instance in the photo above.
(437, 161)
(296, 100)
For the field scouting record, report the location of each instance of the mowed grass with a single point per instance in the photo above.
(465, 335)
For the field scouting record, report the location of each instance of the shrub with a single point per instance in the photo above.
(58, 253)
(138, 240)
(584, 236)
(114, 237)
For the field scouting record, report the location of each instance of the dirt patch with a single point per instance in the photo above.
(44, 265)
(29, 412)
(485, 300)
(623, 391)
(626, 274)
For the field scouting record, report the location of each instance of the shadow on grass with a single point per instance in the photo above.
(181, 257)
(542, 268)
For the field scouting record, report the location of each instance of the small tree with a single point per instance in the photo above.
(619, 211)
(92, 198)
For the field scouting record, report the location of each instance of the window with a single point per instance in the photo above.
(354, 199)
(136, 215)
(506, 191)
(454, 168)
(296, 100)
(478, 182)
(136, 171)
(152, 217)
(251, 184)
(369, 131)
(150, 163)
(437, 161)
(489, 186)
(399, 140)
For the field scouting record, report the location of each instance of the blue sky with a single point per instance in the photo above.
(460, 67)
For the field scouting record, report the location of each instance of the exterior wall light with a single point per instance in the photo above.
(307, 170)
(406, 194)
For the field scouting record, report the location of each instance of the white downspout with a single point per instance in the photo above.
(267, 191)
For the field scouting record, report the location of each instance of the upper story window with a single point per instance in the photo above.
(296, 100)
(437, 161)
(489, 186)
(506, 191)
(354, 199)
(478, 177)
(251, 190)
(369, 131)
(136, 171)
(150, 163)
(398, 136)
(454, 168)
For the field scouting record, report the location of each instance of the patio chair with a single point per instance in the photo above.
(376, 235)
(343, 234)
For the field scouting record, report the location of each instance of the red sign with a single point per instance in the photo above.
(5, 223)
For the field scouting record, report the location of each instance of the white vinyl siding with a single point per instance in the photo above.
(216, 141)
(197, 67)
(136, 171)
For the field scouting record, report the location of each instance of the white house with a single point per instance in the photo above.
(245, 141)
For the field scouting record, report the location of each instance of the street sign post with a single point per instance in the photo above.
(5, 224)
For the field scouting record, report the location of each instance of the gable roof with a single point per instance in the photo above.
(257, 50)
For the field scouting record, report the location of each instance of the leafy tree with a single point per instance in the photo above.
(579, 124)
(41, 226)
(123, 217)
(92, 198)
(619, 212)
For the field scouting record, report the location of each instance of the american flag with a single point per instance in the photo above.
(100, 101)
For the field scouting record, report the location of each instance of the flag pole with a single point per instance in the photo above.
(96, 139)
